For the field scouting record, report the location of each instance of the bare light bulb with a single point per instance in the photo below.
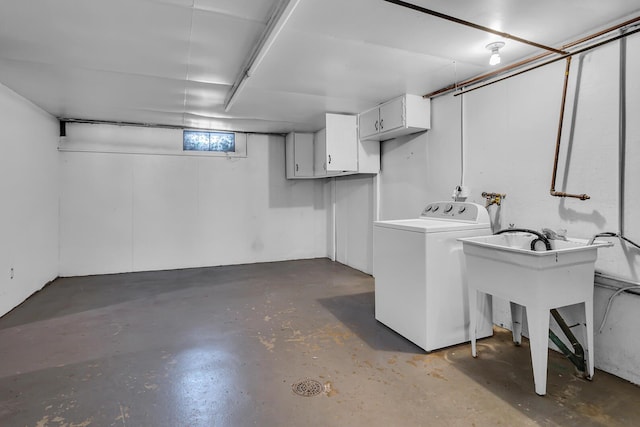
(495, 57)
(495, 52)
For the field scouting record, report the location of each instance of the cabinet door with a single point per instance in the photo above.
(290, 158)
(369, 123)
(342, 142)
(392, 115)
(303, 150)
(320, 153)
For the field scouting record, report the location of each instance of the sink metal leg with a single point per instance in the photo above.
(473, 319)
(538, 320)
(516, 320)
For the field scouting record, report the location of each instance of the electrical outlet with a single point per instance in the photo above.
(11, 273)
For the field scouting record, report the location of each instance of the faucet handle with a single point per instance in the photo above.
(548, 233)
(561, 234)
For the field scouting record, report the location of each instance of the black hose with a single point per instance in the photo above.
(541, 237)
(577, 361)
(607, 234)
(577, 356)
(612, 234)
(603, 234)
(629, 241)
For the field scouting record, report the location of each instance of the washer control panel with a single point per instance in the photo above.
(461, 211)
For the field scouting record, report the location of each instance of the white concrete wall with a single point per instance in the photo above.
(29, 199)
(161, 209)
(403, 178)
(510, 130)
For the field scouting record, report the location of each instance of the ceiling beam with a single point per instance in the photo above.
(276, 23)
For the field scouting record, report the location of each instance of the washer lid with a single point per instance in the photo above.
(421, 225)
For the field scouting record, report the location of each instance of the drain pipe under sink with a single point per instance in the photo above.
(577, 355)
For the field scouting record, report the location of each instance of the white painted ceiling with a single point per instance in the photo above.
(173, 62)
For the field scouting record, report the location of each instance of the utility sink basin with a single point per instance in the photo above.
(504, 265)
(515, 248)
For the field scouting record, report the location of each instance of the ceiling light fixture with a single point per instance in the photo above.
(495, 52)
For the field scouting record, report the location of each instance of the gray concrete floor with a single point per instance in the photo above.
(223, 346)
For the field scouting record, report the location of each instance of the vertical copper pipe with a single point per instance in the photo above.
(553, 191)
(560, 122)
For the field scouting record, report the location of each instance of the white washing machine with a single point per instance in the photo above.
(418, 266)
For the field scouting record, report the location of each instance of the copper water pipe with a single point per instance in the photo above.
(568, 57)
(472, 25)
(510, 67)
(553, 191)
(476, 79)
(602, 32)
(551, 61)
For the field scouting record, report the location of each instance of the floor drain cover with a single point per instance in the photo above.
(308, 388)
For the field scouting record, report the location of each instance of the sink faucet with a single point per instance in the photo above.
(493, 198)
(555, 235)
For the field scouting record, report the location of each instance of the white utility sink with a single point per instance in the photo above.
(504, 265)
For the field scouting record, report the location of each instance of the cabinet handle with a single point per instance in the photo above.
(376, 125)
(329, 158)
(296, 167)
(381, 126)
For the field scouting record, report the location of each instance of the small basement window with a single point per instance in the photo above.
(215, 142)
(209, 141)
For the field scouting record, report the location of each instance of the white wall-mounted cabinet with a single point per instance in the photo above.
(403, 115)
(334, 150)
(320, 155)
(336, 146)
(299, 155)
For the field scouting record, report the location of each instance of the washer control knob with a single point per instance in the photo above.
(462, 209)
(428, 209)
(435, 208)
(448, 208)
